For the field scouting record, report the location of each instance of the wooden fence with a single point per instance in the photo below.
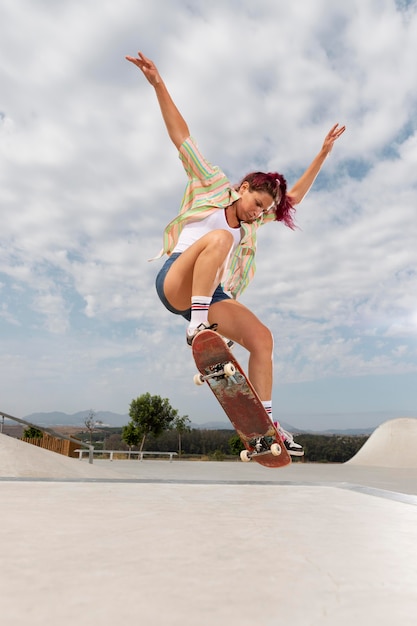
(54, 444)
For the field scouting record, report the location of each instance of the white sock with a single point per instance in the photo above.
(199, 311)
(267, 404)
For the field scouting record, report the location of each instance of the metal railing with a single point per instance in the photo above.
(128, 453)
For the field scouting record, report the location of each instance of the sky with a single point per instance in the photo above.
(89, 179)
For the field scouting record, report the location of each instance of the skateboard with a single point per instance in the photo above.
(239, 400)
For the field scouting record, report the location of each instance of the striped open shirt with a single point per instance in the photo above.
(208, 189)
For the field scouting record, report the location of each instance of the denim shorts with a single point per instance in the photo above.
(218, 295)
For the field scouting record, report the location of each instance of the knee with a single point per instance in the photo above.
(220, 239)
(267, 338)
(262, 339)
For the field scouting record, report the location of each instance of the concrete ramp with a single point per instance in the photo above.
(19, 459)
(393, 444)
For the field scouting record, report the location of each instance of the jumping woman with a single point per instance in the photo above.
(211, 243)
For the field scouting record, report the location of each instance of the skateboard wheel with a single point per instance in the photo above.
(229, 369)
(276, 449)
(198, 379)
(244, 456)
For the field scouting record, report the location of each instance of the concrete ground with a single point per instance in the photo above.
(204, 543)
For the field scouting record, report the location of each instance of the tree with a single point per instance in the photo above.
(90, 423)
(181, 425)
(32, 433)
(236, 445)
(149, 415)
(131, 435)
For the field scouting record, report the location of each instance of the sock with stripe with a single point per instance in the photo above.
(267, 404)
(199, 311)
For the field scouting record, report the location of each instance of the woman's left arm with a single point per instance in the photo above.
(298, 192)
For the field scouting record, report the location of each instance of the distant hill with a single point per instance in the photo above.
(57, 418)
(117, 420)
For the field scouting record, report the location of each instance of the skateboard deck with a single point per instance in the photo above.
(221, 371)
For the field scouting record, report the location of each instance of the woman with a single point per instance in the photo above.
(211, 243)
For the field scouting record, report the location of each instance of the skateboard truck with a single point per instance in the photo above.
(224, 370)
(260, 444)
(260, 447)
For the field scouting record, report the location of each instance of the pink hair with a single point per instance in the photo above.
(276, 185)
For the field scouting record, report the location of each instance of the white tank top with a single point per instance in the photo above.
(195, 230)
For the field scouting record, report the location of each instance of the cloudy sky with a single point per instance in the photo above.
(89, 179)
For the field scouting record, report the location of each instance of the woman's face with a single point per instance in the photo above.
(252, 204)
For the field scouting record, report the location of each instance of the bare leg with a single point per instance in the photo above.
(238, 323)
(199, 269)
(234, 320)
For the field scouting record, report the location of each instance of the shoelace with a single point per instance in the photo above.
(286, 435)
(204, 326)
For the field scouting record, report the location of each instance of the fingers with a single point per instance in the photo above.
(147, 67)
(333, 134)
(141, 61)
(336, 131)
(135, 61)
(144, 59)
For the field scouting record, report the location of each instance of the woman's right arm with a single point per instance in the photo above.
(176, 125)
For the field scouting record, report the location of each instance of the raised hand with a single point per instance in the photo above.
(333, 134)
(148, 68)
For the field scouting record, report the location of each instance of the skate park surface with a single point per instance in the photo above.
(193, 542)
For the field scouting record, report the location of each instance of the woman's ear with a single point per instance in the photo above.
(244, 186)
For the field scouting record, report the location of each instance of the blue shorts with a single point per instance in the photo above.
(218, 295)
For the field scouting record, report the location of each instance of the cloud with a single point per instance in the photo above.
(89, 178)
